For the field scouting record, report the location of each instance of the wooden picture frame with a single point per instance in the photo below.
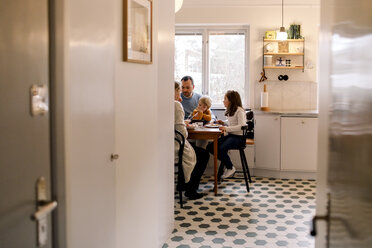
(137, 31)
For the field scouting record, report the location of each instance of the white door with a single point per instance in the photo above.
(345, 130)
(24, 138)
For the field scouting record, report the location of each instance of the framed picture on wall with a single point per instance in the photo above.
(137, 31)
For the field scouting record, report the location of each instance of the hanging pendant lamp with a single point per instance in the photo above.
(178, 5)
(282, 35)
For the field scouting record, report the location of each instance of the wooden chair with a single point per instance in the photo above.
(180, 176)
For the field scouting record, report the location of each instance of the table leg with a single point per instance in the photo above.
(215, 165)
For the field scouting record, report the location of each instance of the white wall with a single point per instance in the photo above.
(261, 19)
(144, 138)
(111, 106)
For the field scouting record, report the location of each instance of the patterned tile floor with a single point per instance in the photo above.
(276, 213)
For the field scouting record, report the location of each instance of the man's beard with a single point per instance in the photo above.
(187, 94)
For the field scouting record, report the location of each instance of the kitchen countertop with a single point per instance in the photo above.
(289, 113)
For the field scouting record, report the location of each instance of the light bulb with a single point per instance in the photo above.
(282, 34)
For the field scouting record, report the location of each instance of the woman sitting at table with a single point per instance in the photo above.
(233, 131)
(194, 160)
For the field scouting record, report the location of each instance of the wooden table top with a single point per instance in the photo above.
(206, 130)
(203, 133)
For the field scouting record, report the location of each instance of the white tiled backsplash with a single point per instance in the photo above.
(289, 95)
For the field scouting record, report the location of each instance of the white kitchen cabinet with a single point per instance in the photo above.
(267, 141)
(299, 137)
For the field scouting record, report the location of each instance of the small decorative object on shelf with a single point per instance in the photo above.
(279, 62)
(263, 77)
(287, 62)
(283, 47)
(268, 60)
(283, 77)
(270, 35)
(269, 47)
(294, 32)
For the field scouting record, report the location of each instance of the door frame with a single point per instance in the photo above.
(323, 126)
(57, 118)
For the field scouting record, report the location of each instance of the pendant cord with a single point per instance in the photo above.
(282, 13)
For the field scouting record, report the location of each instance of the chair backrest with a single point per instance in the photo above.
(178, 136)
(181, 140)
(249, 132)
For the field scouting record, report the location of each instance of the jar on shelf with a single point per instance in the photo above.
(268, 60)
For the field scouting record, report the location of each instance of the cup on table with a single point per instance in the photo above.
(199, 123)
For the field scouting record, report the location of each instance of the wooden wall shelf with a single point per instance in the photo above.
(284, 67)
(292, 40)
(291, 51)
(294, 54)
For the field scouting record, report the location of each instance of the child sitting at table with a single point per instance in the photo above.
(233, 138)
(202, 111)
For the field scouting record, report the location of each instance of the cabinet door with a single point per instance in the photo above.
(267, 142)
(299, 143)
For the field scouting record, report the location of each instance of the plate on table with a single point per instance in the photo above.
(213, 125)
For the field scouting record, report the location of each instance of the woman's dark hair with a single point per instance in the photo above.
(235, 102)
(185, 78)
(176, 85)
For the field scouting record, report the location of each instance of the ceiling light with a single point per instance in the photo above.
(282, 35)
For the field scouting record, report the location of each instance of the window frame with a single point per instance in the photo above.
(205, 30)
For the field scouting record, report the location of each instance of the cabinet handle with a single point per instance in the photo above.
(303, 122)
(275, 119)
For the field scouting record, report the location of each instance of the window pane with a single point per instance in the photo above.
(226, 65)
(188, 58)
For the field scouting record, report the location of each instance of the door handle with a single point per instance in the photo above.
(326, 218)
(44, 208)
(44, 211)
(313, 231)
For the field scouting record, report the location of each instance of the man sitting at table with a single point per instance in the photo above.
(190, 99)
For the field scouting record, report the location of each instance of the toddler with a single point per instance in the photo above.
(202, 112)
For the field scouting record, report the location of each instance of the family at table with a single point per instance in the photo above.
(191, 106)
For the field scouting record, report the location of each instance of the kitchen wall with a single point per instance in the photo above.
(300, 91)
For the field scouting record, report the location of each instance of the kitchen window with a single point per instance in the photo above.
(216, 57)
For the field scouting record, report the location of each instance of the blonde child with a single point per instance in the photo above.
(202, 111)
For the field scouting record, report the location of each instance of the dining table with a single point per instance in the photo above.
(208, 133)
